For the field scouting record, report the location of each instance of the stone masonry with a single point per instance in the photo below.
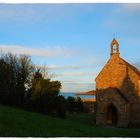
(117, 91)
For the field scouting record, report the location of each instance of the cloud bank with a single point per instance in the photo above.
(42, 52)
(75, 74)
(77, 87)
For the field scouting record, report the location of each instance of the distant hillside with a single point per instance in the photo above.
(91, 92)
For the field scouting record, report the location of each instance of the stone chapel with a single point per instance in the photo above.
(117, 91)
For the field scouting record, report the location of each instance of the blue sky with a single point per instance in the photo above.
(72, 40)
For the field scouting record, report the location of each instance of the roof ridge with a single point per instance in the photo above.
(132, 67)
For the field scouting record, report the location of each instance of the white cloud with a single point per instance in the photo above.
(43, 52)
(75, 74)
(133, 7)
(77, 87)
(123, 20)
(55, 67)
(76, 67)
(42, 12)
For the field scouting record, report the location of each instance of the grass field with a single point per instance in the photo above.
(19, 123)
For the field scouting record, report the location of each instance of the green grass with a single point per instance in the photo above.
(19, 123)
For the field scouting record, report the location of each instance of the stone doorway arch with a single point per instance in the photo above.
(112, 115)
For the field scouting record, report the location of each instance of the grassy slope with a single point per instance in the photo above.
(15, 122)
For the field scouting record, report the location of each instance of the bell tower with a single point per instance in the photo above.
(114, 47)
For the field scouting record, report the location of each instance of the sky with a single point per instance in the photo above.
(71, 40)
